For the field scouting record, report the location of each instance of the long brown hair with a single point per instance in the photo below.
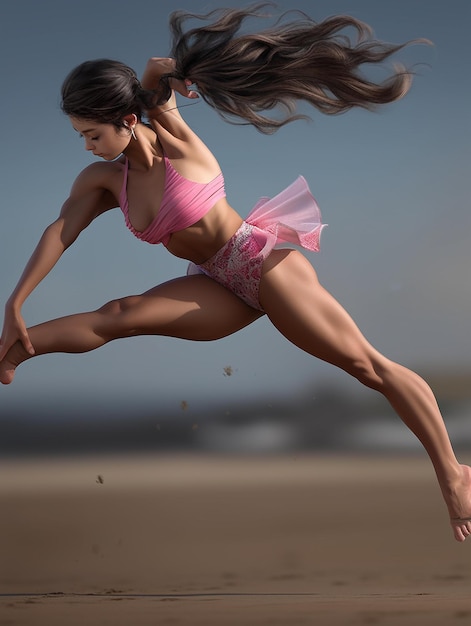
(244, 75)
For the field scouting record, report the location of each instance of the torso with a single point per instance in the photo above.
(201, 241)
(193, 219)
(145, 191)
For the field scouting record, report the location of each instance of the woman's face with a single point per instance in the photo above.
(104, 140)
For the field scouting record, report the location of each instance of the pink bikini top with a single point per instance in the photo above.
(184, 202)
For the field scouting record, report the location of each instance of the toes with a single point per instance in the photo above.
(459, 536)
(461, 530)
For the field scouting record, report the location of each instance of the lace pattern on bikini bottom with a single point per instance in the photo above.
(238, 264)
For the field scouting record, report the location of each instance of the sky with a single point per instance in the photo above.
(393, 187)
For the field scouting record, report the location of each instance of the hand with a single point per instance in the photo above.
(14, 329)
(182, 87)
(156, 68)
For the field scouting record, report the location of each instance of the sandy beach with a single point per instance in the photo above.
(208, 540)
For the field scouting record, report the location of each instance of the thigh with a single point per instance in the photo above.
(307, 314)
(190, 307)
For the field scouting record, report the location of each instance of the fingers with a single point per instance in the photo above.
(182, 87)
(4, 347)
(190, 93)
(8, 341)
(28, 346)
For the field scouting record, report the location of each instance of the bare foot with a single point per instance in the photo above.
(7, 372)
(459, 505)
(16, 355)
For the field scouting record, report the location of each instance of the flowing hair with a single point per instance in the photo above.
(243, 75)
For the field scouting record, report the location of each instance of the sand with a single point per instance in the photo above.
(198, 540)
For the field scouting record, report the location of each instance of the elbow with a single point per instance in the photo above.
(58, 234)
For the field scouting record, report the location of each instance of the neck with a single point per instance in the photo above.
(142, 151)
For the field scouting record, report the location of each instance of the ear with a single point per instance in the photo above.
(130, 120)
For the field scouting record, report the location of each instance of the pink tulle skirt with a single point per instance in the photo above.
(291, 217)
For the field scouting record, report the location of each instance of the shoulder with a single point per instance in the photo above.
(95, 190)
(180, 143)
(173, 132)
(99, 176)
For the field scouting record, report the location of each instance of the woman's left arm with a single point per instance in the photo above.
(176, 137)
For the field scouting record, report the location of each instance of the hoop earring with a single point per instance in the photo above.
(131, 129)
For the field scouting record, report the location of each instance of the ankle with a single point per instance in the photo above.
(451, 478)
(454, 488)
(17, 354)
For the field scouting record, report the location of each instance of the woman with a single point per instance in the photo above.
(171, 191)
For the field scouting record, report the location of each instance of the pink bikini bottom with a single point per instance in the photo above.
(290, 217)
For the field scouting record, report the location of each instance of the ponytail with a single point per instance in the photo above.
(243, 75)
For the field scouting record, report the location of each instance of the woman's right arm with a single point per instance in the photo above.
(87, 200)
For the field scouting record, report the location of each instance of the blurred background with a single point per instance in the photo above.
(393, 187)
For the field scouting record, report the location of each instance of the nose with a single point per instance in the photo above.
(89, 145)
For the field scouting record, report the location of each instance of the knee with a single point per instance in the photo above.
(115, 316)
(115, 308)
(373, 373)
